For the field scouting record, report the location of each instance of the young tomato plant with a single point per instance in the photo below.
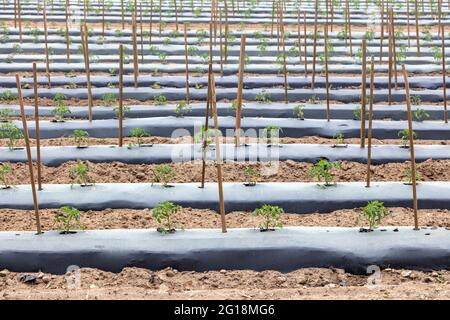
(12, 133)
(420, 115)
(163, 213)
(407, 173)
(373, 213)
(251, 176)
(60, 113)
(271, 133)
(163, 173)
(81, 138)
(6, 173)
(299, 112)
(340, 140)
(138, 134)
(79, 174)
(405, 134)
(208, 134)
(322, 171)
(270, 217)
(67, 219)
(6, 114)
(181, 109)
(160, 98)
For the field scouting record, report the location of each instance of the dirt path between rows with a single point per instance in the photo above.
(310, 283)
(188, 218)
(283, 171)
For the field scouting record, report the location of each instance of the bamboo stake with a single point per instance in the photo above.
(382, 32)
(67, 32)
(186, 60)
(305, 45)
(286, 85)
(120, 113)
(444, 75)
(85, 41)
(240, 90)
(363, 94)
(218, 157)
(47, 62)
(369, 134)
(30, 161)
(205, 128)
(19, 16)
(122, 14)
(394, 50)
(327, 84)
(411, 149)
(38, 132)
(349, 28)
(141, 32)
(299, 38)
(313, 79)
(135, 54)
(417, 27)
(176, 14)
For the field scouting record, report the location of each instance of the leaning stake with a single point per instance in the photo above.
(30, 160)
(411, 148)
(38, 133)
(240, 89)
(369, 134)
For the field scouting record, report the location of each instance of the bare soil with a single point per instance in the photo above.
(309, 283)
(188, 218)
(283, 171)
(229, 140)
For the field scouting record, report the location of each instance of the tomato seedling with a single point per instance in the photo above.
(322, 171)
(60, 113)
(6, 173)
(79, 174)
(405, 134)
(373, 213)
(271, 133)
(163, 174)
(251, 176)
(12, 133)
(81, 138)
(181, 109)
(270, 217)
(67, 219)
(163, 213)
(138, 134)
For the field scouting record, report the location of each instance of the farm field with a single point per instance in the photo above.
(224, 149)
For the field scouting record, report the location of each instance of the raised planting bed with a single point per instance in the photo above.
(251, 109)
(295, 128)
(201, 250)
(177, 153)
(293, 197)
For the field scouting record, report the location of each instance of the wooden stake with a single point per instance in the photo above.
(38, 132)
(141, 32)
(369, 134)
(286, 85)
(85, 42)
(186, 60)
(407, 23)
(411, 148)
(363, 95)
(299, 38)
(417, 27)
(120, 113)
(327, 84)
(15, 13)
(226, 32)
(47, 62)
(122, 14)
(349, 28)
(444, 75)
(313, 79)
(176, 14)
(67, 32)
(240, 90)
(30, 160)
(394, 50)
(305, 45)
(135, 54)
(151, 22)
(19, 15)
(218, 157)
(390, 63)
(103, 18)
(206, 127)
(221, 43)
(382, 32)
